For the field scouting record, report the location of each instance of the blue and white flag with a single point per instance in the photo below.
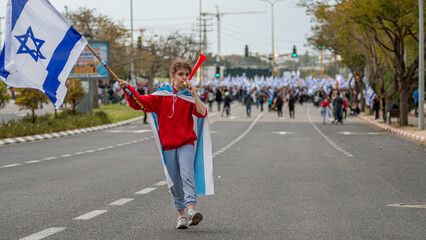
(203, 163)
(40, 48)
(369, 95)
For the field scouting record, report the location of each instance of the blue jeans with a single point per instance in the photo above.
(180, 165)
(338, 114)
(248, 109)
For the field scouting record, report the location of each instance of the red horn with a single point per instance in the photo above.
(200, 60)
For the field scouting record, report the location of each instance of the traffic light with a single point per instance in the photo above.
(218, 70)
(319, 47)
(294, 51)
(246, 51)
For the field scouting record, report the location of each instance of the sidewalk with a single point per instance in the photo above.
(411, 131)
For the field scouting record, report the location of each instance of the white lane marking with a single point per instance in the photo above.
(121, 201)
(44, 233)
(145, 190)
(324, 136)
(91, 215)
(239, 137)
(11, 165)
(77, 153)
(283, 133)
(33, 161)
(160, 183)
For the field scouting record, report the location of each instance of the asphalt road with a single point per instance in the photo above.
(274, 179)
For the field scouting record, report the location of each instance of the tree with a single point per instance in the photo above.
(96, 26)
(75, 93)
(27, 98)
(384, 30)
(4, 96)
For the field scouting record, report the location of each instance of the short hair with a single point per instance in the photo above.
(179, 64)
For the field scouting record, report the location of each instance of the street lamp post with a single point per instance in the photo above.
(272, 23)
(421, 67)
(131, 43)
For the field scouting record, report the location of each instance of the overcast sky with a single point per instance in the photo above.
(292, 25)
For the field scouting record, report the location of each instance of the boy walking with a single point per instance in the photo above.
(171, 111)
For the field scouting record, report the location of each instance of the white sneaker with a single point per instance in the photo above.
(194, 217)
(181, 223)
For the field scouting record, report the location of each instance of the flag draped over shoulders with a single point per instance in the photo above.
(203, 159)
(40, 48)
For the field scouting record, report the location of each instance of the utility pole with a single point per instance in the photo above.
(131, 43)
(421, 68)
(272, 20)
(218, 16)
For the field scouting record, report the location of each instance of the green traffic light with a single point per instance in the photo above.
(320, 47)
(294, 55)
(217, 75)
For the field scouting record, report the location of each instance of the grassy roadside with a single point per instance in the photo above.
(66, 120)
(118, 112)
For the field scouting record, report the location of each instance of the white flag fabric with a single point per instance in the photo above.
(369, 95)
(40, 48)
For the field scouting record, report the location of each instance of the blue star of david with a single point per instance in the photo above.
(36, 54)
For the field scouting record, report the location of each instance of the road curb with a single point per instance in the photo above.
(31, 138)
(394, 130)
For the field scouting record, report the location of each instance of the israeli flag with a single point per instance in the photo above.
(203, 159)
(40, 48)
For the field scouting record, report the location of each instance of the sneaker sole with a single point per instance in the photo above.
(182, 227)
(195, 219)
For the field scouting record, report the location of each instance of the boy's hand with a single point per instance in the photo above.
(190, 87)
(122, 83)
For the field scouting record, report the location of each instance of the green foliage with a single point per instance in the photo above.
(75, 93)
(4, 96)
(118, 112)
(27, 98)
(66, 120)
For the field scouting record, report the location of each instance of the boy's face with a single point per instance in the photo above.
(180, 77)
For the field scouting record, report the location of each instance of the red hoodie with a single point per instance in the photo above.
(175, 128)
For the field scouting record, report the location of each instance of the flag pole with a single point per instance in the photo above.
(115, 76)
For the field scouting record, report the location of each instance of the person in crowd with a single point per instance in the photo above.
(218, 98)
(248, 100)
(337, 106)
(416, 102)
(375, 105)
(291, 101)
(325, 106)
(279, 105)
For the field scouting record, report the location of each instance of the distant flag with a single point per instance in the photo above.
(40, 48)
(299, 82)
(369, 95)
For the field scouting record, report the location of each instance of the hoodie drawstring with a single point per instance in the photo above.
(173, 106)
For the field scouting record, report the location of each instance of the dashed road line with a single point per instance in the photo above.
(121, 201)
(91, 215)
(43, 234)
(11, 165)
(145, 190)
(324, 136)
(72, 154)
(160, 183)
(239, 137)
